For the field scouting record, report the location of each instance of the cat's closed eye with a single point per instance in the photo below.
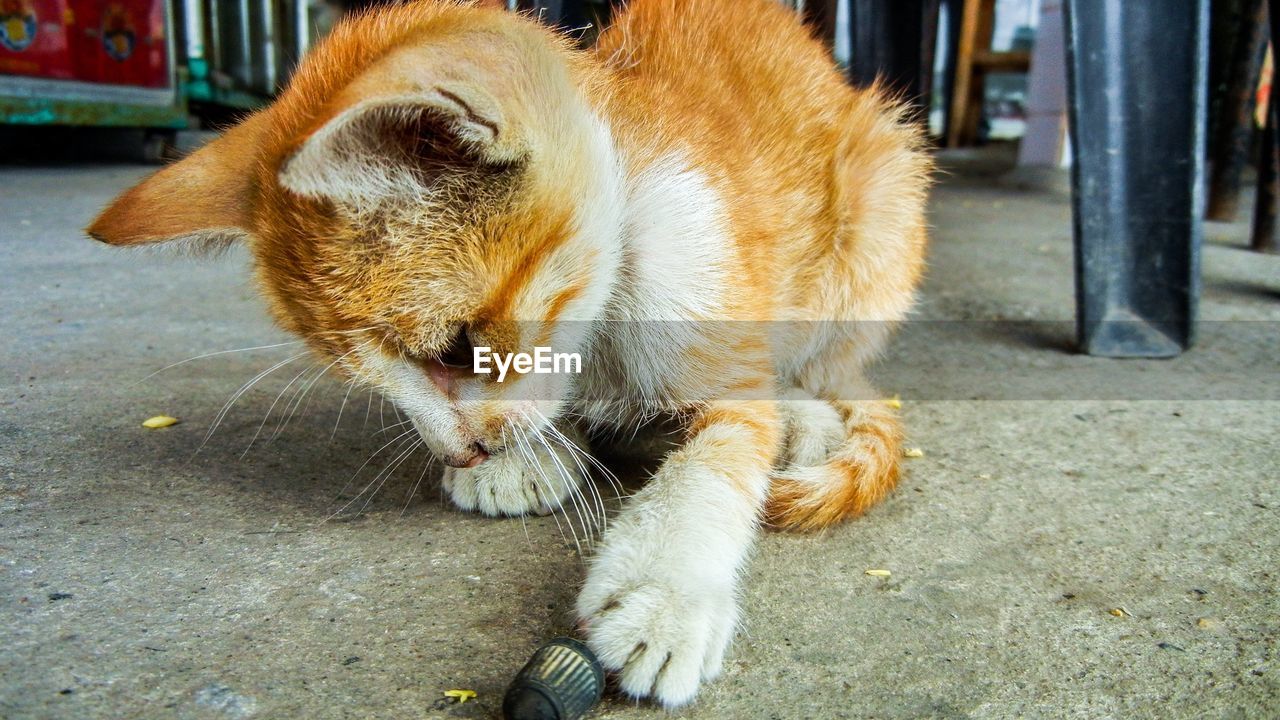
(458, 353)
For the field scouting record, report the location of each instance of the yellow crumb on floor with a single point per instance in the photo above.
(1119, 612)
(159, 421)
(878, 573)
(912, 452)
(460, 695)
(1206, 623)
(894, 402)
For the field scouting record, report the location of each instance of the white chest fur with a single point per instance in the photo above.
(672, 280)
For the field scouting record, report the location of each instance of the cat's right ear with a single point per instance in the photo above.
(203, 199)
(401, 144)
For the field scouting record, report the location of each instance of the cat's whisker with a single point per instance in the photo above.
(402, 453)
(576, 449)
(426, 465)
(526, 450)
(390, 470)
(578, 454)
(355, 331)
(291, 405)
(360, 469)
(574, 496)
(370, 485)
(389, 428)
(307, 389)
(226, 407)
(596, 501)
(275, 402)
(213, 354)
(524, 524)
(351, 385)
(596, 504)
(564, 476)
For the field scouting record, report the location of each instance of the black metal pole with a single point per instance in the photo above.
(946, 93)
(1136, 72)
(887, 43)
(1263, 238)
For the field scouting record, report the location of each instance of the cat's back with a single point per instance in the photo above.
(724, 73)
(820, 181)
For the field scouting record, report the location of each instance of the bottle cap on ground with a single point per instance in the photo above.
(562, 681)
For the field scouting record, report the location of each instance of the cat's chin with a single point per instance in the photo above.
(456, 451)
(465, 459)
(464, 462)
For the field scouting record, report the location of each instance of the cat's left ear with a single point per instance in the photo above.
(203, 198)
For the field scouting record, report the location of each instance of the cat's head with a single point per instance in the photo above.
(434, 178)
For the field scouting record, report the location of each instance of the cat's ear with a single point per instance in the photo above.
(399, 146)
(203, 198)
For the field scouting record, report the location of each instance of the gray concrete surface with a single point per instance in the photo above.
(139, 578)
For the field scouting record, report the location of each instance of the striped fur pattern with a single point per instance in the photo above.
(699, 205)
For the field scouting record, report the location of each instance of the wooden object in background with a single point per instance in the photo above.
(974, 60)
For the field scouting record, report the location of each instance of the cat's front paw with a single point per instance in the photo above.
(514, 483)
(663, 635)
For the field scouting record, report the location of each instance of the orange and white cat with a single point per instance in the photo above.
(700, 206)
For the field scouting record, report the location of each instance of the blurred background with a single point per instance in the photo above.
(1168, 95)
(167, 65)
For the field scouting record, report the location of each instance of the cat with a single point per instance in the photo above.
(700, 206)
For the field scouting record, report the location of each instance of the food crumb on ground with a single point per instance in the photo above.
(460, 695)
(159, 421)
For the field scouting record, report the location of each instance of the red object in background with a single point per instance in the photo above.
(33, 39)
(121, 42)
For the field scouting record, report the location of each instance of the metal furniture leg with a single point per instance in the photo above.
(1263, 238)
(1136, 74)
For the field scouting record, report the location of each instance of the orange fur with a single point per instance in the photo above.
(823, 235)
(700, 203)
(823, 187)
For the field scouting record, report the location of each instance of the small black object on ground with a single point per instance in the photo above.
(562, 681)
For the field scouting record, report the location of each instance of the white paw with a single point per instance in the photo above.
(510, 483)
(663, 640)
(813, 429)
(662, 623)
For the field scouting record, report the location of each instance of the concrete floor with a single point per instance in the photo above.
(1083, 538)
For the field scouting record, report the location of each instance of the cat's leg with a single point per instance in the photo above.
(660, 603)
(532, 475)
